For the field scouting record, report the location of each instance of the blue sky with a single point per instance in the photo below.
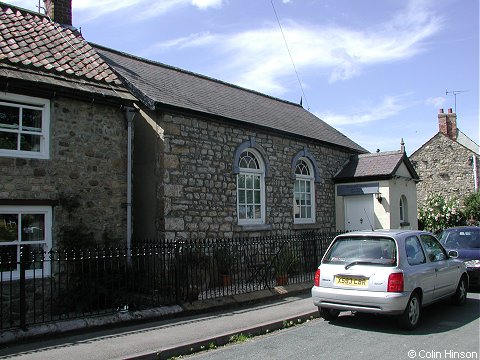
(377, 70)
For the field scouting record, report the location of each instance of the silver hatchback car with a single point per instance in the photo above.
(394, 272)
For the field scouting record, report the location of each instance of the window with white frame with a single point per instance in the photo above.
(403, 209)
(28, 230)
(304, 193)
(24, 126)
(250, 188)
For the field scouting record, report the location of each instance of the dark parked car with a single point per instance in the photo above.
(466, 241)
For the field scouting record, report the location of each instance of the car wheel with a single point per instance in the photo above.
(460, 295)
(328, 314)
(411, 316)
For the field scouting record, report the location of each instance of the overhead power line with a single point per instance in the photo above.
(304, 97)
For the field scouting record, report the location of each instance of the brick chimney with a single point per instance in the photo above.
(59, 11)
(447, 123)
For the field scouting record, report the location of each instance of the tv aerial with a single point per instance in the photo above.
(455, 93)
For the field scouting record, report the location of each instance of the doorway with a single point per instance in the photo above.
(359, 213)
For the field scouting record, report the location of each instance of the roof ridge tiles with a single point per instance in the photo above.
(383, 153)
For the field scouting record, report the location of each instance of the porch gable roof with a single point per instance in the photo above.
(382, 165)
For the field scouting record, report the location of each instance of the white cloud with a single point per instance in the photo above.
(156, 8)
(144, 9)
(26, 4)
(200, 39)
(258, 58)
(347, 68)
(205, 4)
(103, 7)
(389, 106)
(436, 102)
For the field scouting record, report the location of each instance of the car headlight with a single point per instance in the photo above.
(472, 263)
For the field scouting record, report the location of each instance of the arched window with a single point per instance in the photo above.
(250, 188)
(403, 209)
(304, 192)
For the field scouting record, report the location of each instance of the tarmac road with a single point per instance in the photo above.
(445, 332)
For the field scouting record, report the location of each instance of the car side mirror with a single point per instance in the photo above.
(453, 253)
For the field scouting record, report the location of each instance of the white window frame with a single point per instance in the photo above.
(261, 173)
(305, 178)
(47, 241)
(403, 209)
(28, 102)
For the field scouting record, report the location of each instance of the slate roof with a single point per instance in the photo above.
(158, 85)
(465, 141)
(381, 165)
(32, 47)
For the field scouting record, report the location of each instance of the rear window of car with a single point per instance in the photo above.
(367, 250)
(461, 239)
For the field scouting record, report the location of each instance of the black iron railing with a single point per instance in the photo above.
(74, 283)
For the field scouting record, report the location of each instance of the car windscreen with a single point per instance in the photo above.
(362, 250)
(461, 239)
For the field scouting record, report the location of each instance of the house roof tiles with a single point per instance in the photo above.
(33, 41)
(158, 85)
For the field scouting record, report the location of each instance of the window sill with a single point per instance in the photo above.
(256, 227)
(24, 154)
(29, 202)
(305, 226)
(405, 223)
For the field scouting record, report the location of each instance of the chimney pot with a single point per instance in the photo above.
(447, 124)
(440, 111)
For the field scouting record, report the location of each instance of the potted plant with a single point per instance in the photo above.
(283, 263)
(192, 271)
(225, 258)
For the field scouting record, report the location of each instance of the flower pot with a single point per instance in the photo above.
(192, 294)
(226, 279)
(282, 280)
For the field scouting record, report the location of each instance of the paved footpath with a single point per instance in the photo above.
(167, 338)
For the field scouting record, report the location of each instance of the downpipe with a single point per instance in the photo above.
(130, 114)
(475, 172)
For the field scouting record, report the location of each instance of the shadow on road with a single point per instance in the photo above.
(436, 318)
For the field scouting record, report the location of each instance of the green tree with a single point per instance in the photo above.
(440, 213)
(472, 208)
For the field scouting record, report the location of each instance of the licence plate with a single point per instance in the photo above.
(350, 281)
